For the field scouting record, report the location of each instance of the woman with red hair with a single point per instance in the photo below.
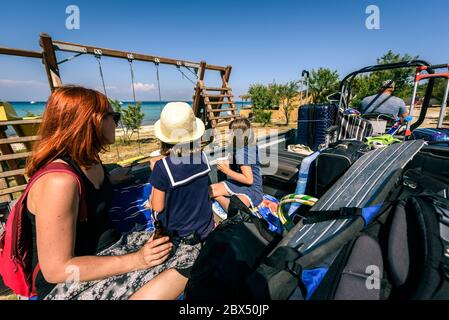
(87, 258)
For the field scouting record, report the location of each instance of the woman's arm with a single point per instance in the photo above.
(55, 200)
(246, 177)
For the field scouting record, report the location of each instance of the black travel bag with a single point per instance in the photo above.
(231, 253)
(333, 162)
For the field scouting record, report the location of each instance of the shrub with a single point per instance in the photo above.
(262, 116)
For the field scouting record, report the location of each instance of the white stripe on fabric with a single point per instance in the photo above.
(232, 193)
(321, 235)
(177, 183)
(305, 233)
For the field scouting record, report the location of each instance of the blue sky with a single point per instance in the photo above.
(262, 40)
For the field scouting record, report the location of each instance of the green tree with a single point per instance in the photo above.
(322, 83)
(439, 89)
(369, 84)
(132, 118)
(286, 93)
(438, 93)
(263, 96)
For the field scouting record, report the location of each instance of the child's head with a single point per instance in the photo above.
(241, 133)
(180, 150)
(178, 130)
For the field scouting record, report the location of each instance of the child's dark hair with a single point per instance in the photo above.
(244, 136)
(180, 150)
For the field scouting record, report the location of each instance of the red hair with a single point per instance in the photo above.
(71, 126)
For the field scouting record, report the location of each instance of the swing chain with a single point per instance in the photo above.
(156, 63)
(98, 53)
(130, 60)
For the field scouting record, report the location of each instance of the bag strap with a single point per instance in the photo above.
(327, 215)
(375, 99)
(378, 106)
(441, 206)
(61, 168)
(238, 211)
(36, 271)
(284, 258)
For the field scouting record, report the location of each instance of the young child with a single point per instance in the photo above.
(244, 178)
(180, 181)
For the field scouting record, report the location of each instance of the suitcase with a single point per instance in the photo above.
(333, 162)
(313, 122)
(431, 134)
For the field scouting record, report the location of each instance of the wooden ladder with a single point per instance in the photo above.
(216, 103)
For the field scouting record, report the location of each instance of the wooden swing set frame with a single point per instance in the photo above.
(209, 103)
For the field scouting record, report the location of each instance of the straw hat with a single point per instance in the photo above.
(178, 124)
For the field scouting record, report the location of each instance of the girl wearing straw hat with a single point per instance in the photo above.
(180, 184)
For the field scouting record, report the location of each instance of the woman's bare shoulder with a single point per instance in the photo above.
(54, 183)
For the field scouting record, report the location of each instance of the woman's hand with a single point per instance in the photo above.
(223, 166)
(154, 252)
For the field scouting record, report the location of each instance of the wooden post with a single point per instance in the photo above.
(197, 96)
(50, 62)
(227, 73)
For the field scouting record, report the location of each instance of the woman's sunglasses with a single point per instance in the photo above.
(115, 115)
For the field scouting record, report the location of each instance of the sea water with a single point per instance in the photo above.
(151, 109)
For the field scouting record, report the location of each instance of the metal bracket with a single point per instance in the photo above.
(130, 56)
(68, 47)
(157, 61)
(70, 58)
(191, 65)
(98, 52)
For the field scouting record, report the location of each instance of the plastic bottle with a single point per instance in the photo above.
(303, 176)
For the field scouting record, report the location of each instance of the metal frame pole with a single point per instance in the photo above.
(443, 106)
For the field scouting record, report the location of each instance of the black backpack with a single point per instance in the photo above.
(405, 258)
(403, 254)
(231, 253)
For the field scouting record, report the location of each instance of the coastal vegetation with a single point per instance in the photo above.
(324, 82)
(265, 98)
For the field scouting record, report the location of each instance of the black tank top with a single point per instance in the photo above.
(93, 235)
